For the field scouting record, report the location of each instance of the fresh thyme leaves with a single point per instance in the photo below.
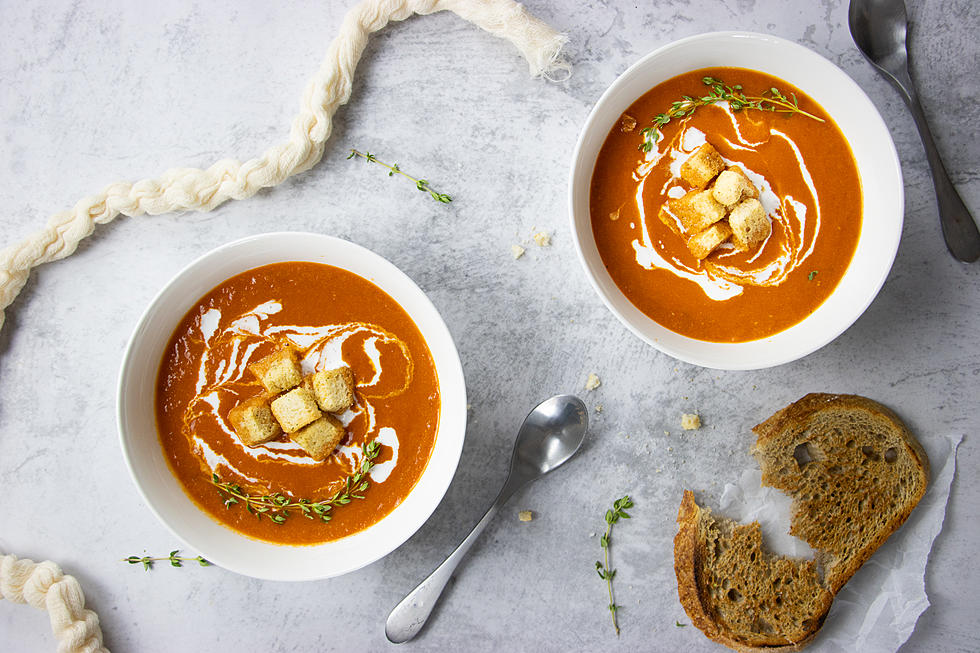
(810, 276)
(680, 625)
(612, 516)
(174, 559)
(277, 507)
(421, 184)
(772, 100)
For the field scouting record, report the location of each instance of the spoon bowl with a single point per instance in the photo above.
(549, 436)
(879, 29)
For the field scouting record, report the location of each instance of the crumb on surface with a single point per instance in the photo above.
(542, 238)
(592, 382)
(598, 408)
(525, 515)
(614, 215)
(690, 421)
(517, 251)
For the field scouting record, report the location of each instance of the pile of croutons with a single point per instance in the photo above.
(298, 405)
(723, 204)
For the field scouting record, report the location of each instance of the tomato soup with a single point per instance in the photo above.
(331, 318)
(807, 184)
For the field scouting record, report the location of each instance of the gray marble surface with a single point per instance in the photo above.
(93, 93)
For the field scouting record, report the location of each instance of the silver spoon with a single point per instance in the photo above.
(878, 27)
(549, 436)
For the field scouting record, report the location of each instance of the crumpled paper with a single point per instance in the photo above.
(878, 608)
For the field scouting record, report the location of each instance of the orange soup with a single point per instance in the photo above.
(330, 318)
(806, 186)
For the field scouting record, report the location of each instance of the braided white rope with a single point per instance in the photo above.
(42, 585)
(181, 189)
(194, 189)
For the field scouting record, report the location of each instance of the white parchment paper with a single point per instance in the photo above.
(876, 611)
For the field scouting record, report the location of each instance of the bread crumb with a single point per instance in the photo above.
(598, 408)
(667, 433)
(614, 215)
(592, 534)
(670, 448)
(542, 238)
(517, 251)
(690, 421)
(592, 382)
(525, 515)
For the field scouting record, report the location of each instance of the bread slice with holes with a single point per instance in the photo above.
(853, 469)
(854, 472)
(739, 594)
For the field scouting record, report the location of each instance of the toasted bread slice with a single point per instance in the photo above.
(854, 470)
(739, 594)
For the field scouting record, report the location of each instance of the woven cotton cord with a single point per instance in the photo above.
(194, 189)
(184, 189)
(42, 585)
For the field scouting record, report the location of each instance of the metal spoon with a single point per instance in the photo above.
(878, 27)
(549, 436)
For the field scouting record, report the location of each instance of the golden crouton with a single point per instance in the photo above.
(704, 243)
(702, 166)
(295, 409)
(696, 211)
(732, 186)
(320, 437)
(332, 389)
(690, 421)
(278, 371)
(253, 421)
(750, 224)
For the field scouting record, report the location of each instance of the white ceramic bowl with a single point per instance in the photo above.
(164, 494)
(877, 164)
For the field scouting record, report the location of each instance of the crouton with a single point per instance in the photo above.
(525, 515)
(332, 389)
(750, 224)
(696, 211)
(278, 371)
(253, 421)
(732, 186)
(295, 409)
(704, 243)
(320, 437)
(690, 421)
(702, 166)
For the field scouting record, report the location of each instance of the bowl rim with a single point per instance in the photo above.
(412, 512)
(717, 355)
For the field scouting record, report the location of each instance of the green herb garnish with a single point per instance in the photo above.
(277, 507)
(772, 100)
(810, 276)
(612, 516)
(174, 559)
(680, 625)
(421, 184)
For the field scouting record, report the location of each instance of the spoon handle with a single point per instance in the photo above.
(959, 229)
(408, 617)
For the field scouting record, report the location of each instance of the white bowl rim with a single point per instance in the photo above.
(413, 513)
(719, 355)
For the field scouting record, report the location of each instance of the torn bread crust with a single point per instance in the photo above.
(690, 557)
(832, 477)
(854, 472)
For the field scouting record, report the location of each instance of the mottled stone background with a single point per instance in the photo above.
(93, 93)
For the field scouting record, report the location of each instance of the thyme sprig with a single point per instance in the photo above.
(277, 507)
(175, 560)
(393, 169)
(612, 516)
(772, 100)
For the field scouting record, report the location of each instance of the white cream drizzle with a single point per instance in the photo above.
(722, 281)
(323, 347)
